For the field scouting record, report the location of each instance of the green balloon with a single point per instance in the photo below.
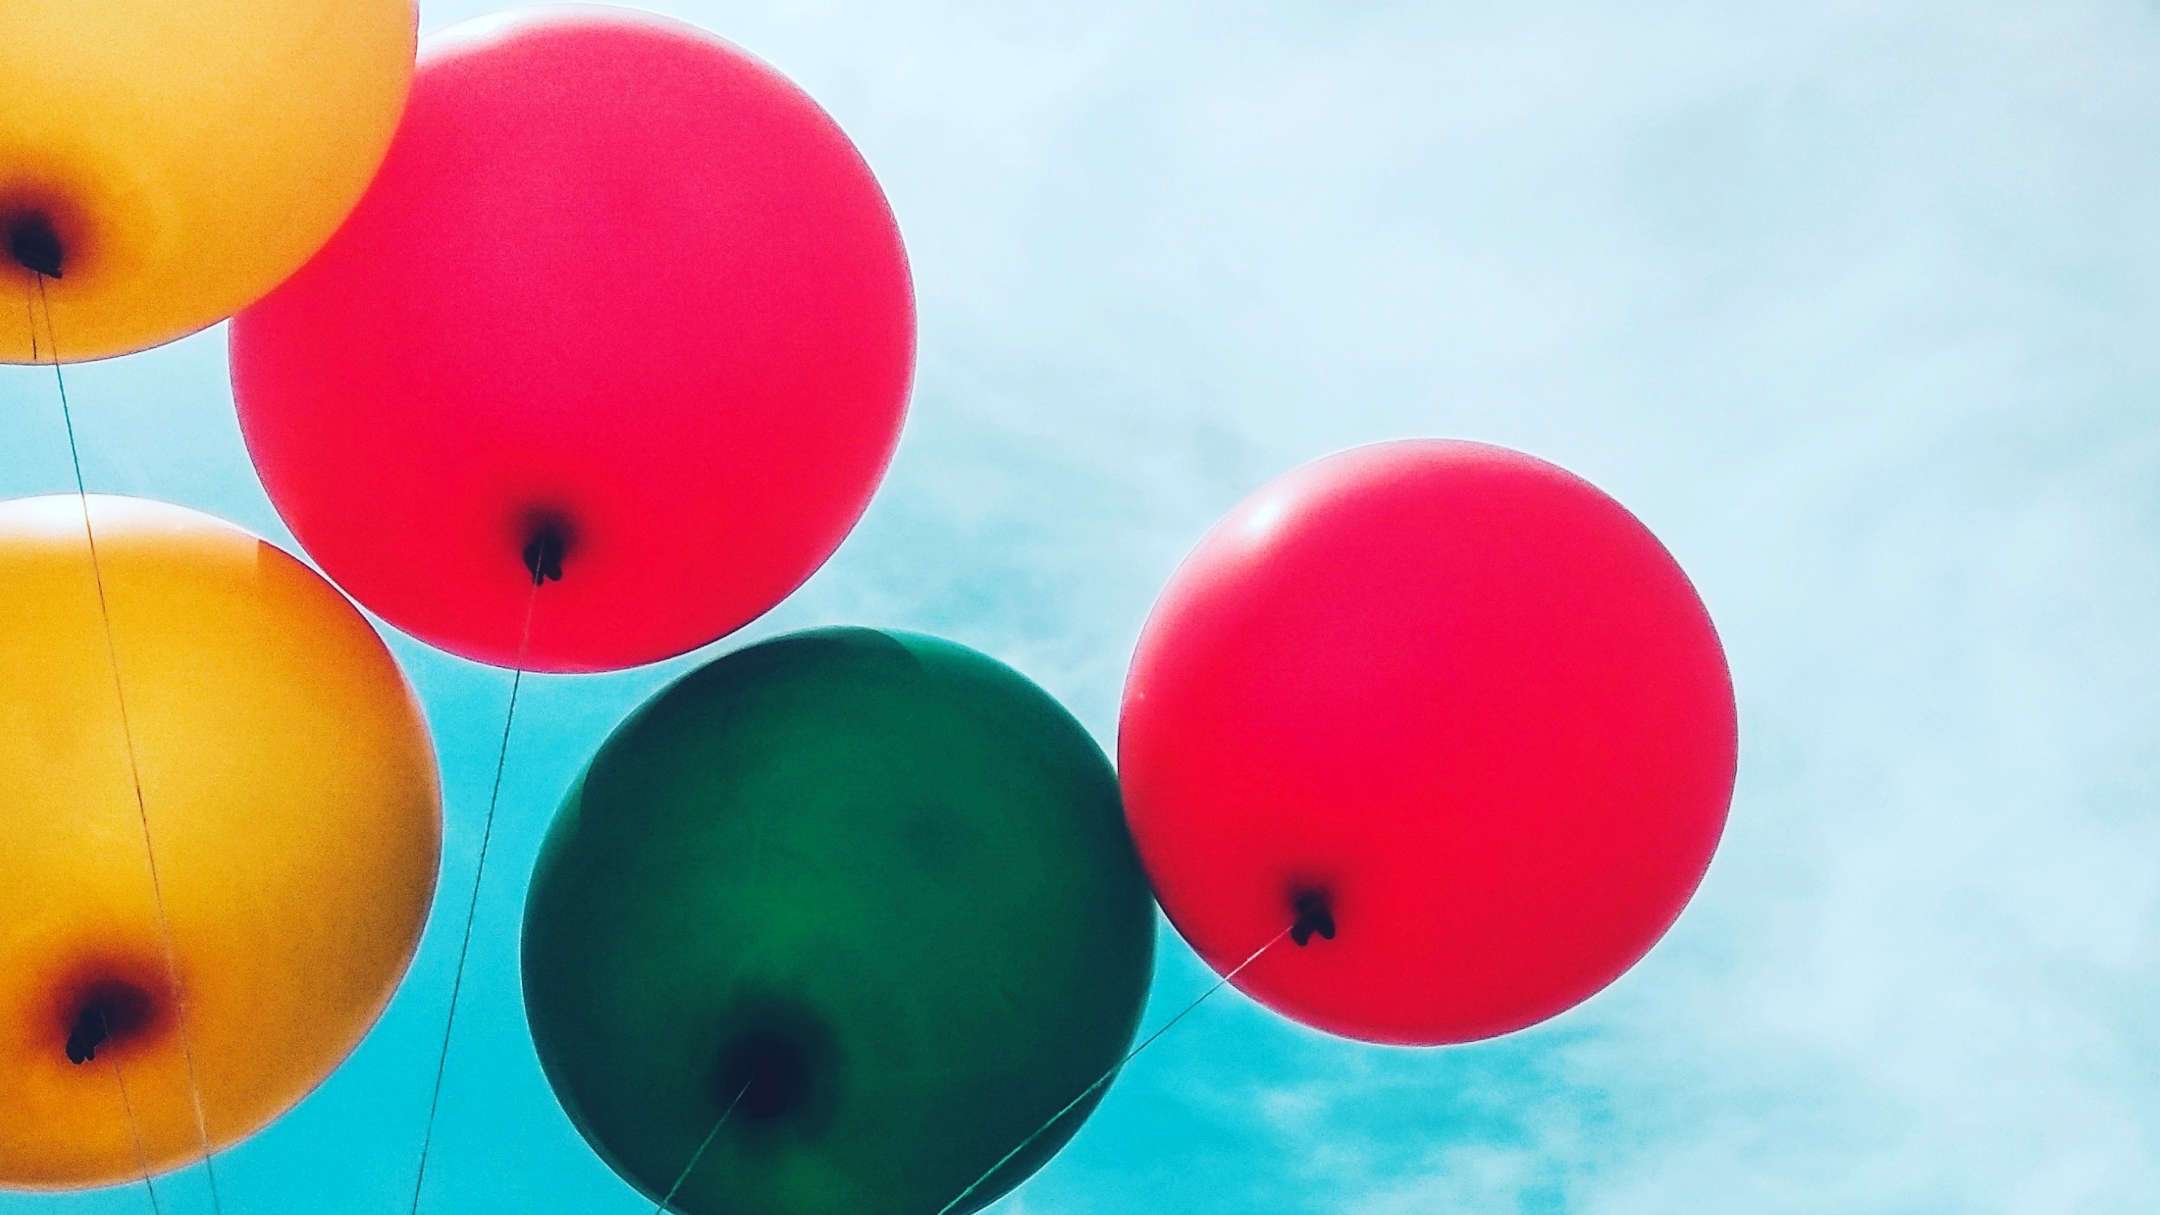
(875, 889)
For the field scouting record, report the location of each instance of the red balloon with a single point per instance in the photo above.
(1452, 699)
(619, 289)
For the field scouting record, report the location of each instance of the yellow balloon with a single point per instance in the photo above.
(167, 162)
(290, 792)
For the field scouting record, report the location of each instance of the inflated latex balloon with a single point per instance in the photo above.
(289, 793)
(872, 890)
(164, 163)
(624, 305)
(1450, 712)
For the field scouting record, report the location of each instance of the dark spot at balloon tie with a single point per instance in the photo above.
(1314, 915)
(544, 555)
(772, 1071)
(90, 1032)
(35, 244)
(110, 1011)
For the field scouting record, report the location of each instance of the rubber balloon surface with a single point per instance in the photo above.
(164, 163)
(873, 886)
(1453, 697)
(289, 787)
(620, 289)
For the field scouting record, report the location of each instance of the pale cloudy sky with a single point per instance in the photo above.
(1852, 302)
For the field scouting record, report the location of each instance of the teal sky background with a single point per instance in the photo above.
(1852, 302)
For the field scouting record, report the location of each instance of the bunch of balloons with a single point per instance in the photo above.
(577, 339)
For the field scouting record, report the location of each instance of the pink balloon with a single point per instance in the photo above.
(620, 289)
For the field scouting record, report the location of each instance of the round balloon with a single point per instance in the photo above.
(1451, 712)
(288, 792)
(624, 306)
(164, 163)
(873, 891)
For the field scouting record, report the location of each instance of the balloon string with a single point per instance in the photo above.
(1111, 1074)
(698, 1156)
(472, 904)
(127, 735)
(142, 1158)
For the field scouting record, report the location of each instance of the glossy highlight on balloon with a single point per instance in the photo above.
(1454, 697)
(620, 287)
(876, 888)
(289, 787)
(165, 163)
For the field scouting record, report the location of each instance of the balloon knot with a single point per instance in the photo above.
(35, 244)
(544, 555)
(110, 1010)
(769, 1070)
(1313, 916)
(91, 1030)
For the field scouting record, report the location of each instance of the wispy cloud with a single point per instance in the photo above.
(1852, 305)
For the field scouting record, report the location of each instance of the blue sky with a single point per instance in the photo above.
(1854, 303)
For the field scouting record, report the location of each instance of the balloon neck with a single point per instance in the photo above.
(110, 1010)
(766, 1074)
(544, 553)
(1313, 915)
(35, 244)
